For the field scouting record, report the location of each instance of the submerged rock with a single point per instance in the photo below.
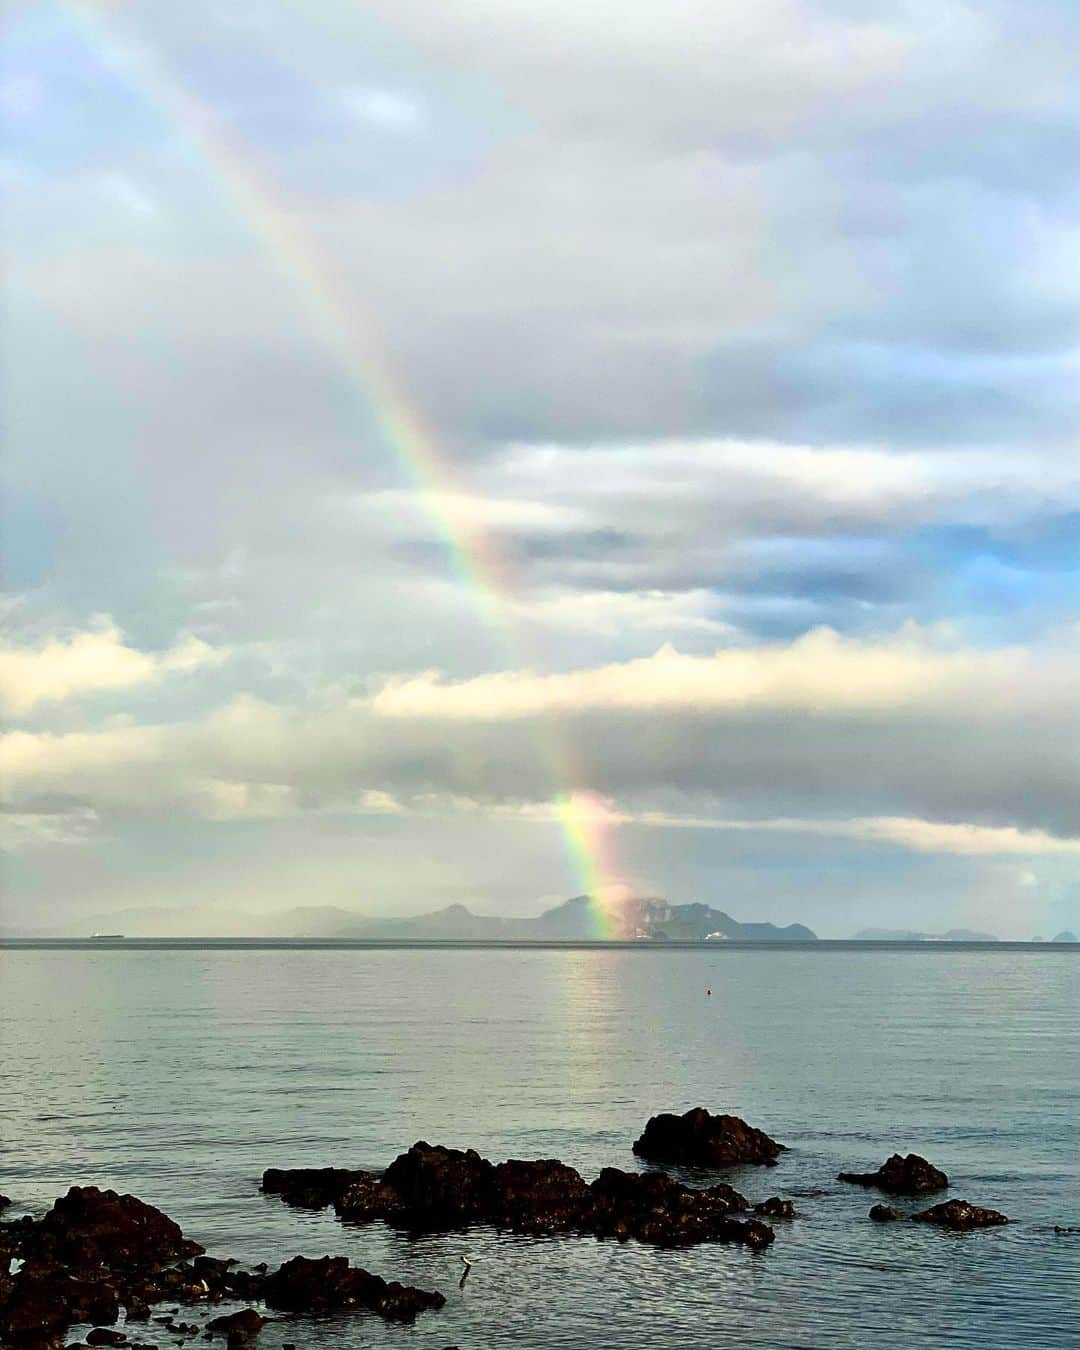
(305, 1285)
(775, 1208)
(884, 1214)
(428, 1189)
(308, 1187)
(239, 1327)
(701, 1139)
(901, 1176)
(960, 1216)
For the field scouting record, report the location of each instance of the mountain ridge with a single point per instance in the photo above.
(648, 918)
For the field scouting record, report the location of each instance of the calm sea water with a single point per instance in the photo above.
(180, 1076)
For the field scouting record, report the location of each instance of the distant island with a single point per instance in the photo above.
(636, 919)
(649, 920)
(910, 935)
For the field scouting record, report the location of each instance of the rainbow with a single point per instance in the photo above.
(586, 821)
(588, 826)
(318, 292)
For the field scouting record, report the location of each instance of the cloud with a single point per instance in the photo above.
(91, 662)
(822, 671)
(28, 831)
(920, 836)
(387, 109)
(823, 727)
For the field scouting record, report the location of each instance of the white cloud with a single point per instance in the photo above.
(819, 671)
(90, 662)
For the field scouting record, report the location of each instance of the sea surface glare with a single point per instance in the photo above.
(181, 1075)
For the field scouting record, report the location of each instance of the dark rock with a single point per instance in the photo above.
(433, 1189)
(241, 1326)
(4, 1201)
(309, 1187)
(775, 1208)
(884, 1214)
(442, 1184)
(544, 1195)
(89, 1227)
(901, 1176)
(96, 1250)
(657, 1210)
(701, 1139)
(303, 1285)
(211, 1269)
(960, 1216)
(45, 1299)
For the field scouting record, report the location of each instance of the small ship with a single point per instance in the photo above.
(106, 937)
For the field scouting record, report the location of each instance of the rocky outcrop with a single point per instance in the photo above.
(89, 1227)
(655, 1209)
(960, 1216)
(699, 1139)
(901, 1176)
(428, 1189)
(884, 1214)
(304, 1285)
(96, 1252)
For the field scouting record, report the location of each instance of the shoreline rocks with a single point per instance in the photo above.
(433, 1189)
(700, 1139)
(897, 1175)
(960, 1216)
(96, 1252)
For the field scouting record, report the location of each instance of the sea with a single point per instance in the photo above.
(179, 1073)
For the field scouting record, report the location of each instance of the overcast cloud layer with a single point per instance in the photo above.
(740, 346)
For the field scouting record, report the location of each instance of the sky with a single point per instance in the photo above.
(475, 453)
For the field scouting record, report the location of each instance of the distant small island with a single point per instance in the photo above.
(910, 935)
